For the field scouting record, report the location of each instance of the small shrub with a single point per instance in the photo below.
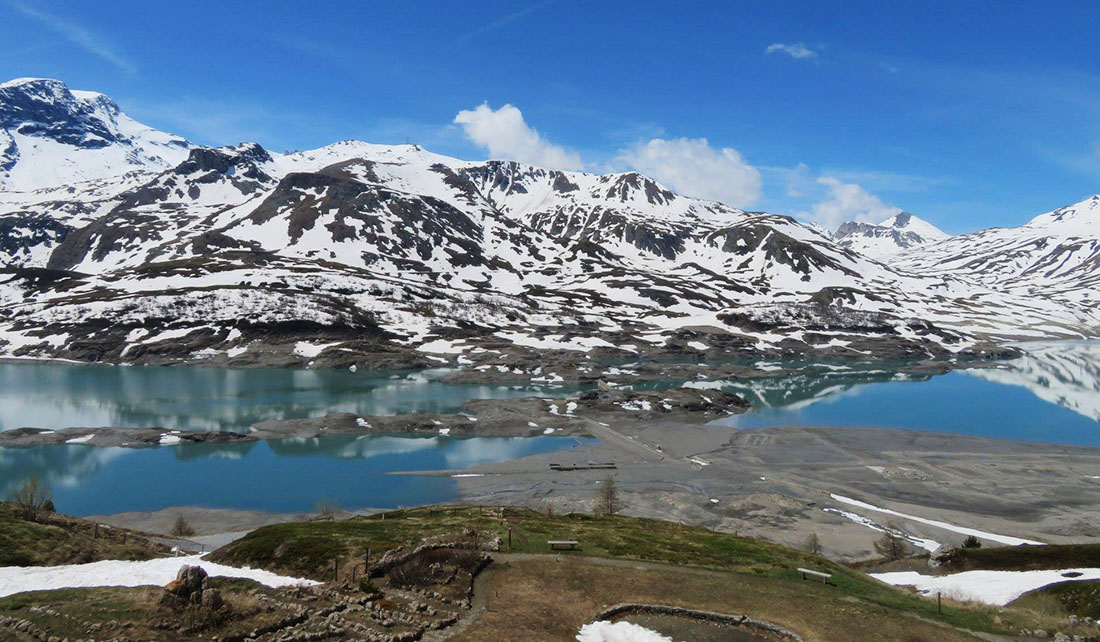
(418, 572)
(972, 542)
(33, 500)
(891, 545)
(181, 528)
(327, 509)
(368, 587)
(608, 496)
(813, 544)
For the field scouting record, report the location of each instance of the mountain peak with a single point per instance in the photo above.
(51, 135)
(17, 82)
(1081, 218)
(900, 232)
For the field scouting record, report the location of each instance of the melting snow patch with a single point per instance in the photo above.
(639, 404)
(696, 460)
(1002, 539)
(706, 385)
(443, 346)
(444, 431)
(169, 439)
(990, 587)
(927, 544)
(468, 475)
(157, 572)
(83, 439)
(603, 631)
(362, 423)
(311, 350)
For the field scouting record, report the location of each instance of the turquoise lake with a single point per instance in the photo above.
(1052, 395)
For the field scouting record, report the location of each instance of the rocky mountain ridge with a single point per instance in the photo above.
(361, 255)
(899, 233)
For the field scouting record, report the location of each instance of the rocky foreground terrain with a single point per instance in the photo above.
(139, 247)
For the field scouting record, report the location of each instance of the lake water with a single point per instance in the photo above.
(1052, 395)
(284, 475)
(58, 395)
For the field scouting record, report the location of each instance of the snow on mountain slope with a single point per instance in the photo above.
(1055, 256)
(52, 136)
(379, 249)
(900, 232)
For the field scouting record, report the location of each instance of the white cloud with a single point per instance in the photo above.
(798, 51)
(506, 135)
(848, 202)
(693, 168)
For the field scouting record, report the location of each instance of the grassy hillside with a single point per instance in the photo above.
(59, 539)
(1024, 558)
(534, 595)
(1068, 598)
(309, 548)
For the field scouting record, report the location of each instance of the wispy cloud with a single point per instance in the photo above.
(217, 122)
(798, 50)
(78, 36)
(502, 22)
(848, 202)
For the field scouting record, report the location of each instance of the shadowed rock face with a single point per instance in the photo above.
(47, 108)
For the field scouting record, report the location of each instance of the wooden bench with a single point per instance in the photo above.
(825, 577)
(563, 544)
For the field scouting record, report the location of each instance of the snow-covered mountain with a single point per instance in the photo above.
(360, 254)
(900, 232)
(52, 136)
(1055, 256)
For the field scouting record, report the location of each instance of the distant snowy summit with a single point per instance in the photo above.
(898, 233)
(52, 136)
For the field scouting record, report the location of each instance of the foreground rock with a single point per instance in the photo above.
(191, 587)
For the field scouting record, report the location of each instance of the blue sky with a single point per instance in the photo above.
(968, 114)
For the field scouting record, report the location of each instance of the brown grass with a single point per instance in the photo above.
(534, 600)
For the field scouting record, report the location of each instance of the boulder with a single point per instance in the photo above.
(189, 587)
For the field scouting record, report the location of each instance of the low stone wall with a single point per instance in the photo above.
(710, 616)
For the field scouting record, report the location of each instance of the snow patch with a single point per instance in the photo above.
(603, 631)
(989, 587)
(156, 572)
(993, 537)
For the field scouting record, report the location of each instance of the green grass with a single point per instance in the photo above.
(1024, 558)
(309, 548)
(64, 540)
(1067, 598)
